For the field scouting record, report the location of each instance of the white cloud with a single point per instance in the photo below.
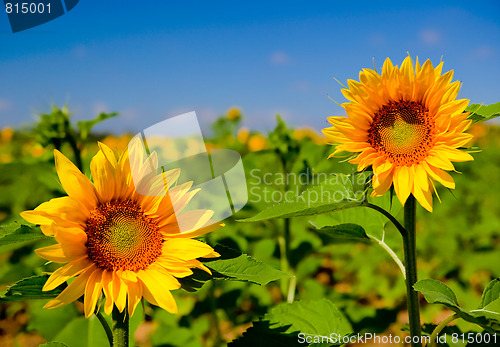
(279, 58)
(483, 52)
(79, 51)
(99, 107)
(430, 36)
(5, 104)
(301, 86)
(377, 39)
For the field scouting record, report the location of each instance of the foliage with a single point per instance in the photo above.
(336, 260)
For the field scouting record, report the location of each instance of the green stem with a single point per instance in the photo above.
(213, 307)
(120, 328)
(284, 266)
(393, 255)
(291, 281)
(76, 151)
(389, 216)
(409, 241)
(105, 325)
(440, 327)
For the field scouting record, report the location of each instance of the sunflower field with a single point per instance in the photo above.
(323, 254)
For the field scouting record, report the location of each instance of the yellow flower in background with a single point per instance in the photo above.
(256, 143)
(117, 241)
(233, 113)
(6, 134)
(243, 134)
(119, 142)
(309, 133)
(407, 125)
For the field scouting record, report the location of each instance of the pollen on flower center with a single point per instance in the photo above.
(121, 237)
(402, 131)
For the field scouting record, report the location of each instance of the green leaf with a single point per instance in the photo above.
(83, 332)
(334, 194)
(346, 232)
(195, 281)
(261, 334)
(31, 289)
(233, 265)
(482, 113)
(372, 222)
(48, 323)
(53, 344)
(490, 293)
(487, 317)
(15, 232)
(290, 323)
(436, 291)
(87, 125)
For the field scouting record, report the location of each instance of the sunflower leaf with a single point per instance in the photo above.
(236, 266)
(488, 316)
(335, 193)
(87, 125)
(16, 232)
(491, 293)
(30, 288)
(53, 344)
(482, 113)
(372, 222)
(297, 324)
(436, 291)
(346, 232)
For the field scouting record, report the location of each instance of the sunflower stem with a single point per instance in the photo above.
(120, 328)
(440, 327)
(409, 241)
(105, 325)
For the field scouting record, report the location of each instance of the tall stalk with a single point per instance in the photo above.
(409, 241)
(120, 327)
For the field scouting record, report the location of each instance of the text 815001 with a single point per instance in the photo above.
(27, 7)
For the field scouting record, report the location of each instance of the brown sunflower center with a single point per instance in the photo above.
(121, 237)
(403, 131)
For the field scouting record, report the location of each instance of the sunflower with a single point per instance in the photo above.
(114, 240)
(407, 125)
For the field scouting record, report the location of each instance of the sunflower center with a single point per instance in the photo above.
(403, 131)
(121, 237)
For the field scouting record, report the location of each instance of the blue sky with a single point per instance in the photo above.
(156, 59)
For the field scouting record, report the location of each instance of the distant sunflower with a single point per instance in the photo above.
(117, 241)
(407, 125)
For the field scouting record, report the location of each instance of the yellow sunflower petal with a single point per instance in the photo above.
(107, 286)
(134, 296)
(73, 291)
(402, 183)
(92, 292)
(103, 174)
(441, 176)
(423, 196)
(119, 292)
(55, 254)
(66, 272)
(156, 292)
(186, 248)
(76, 184)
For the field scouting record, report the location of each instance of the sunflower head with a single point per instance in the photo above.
(117, 241)
(407, 125)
